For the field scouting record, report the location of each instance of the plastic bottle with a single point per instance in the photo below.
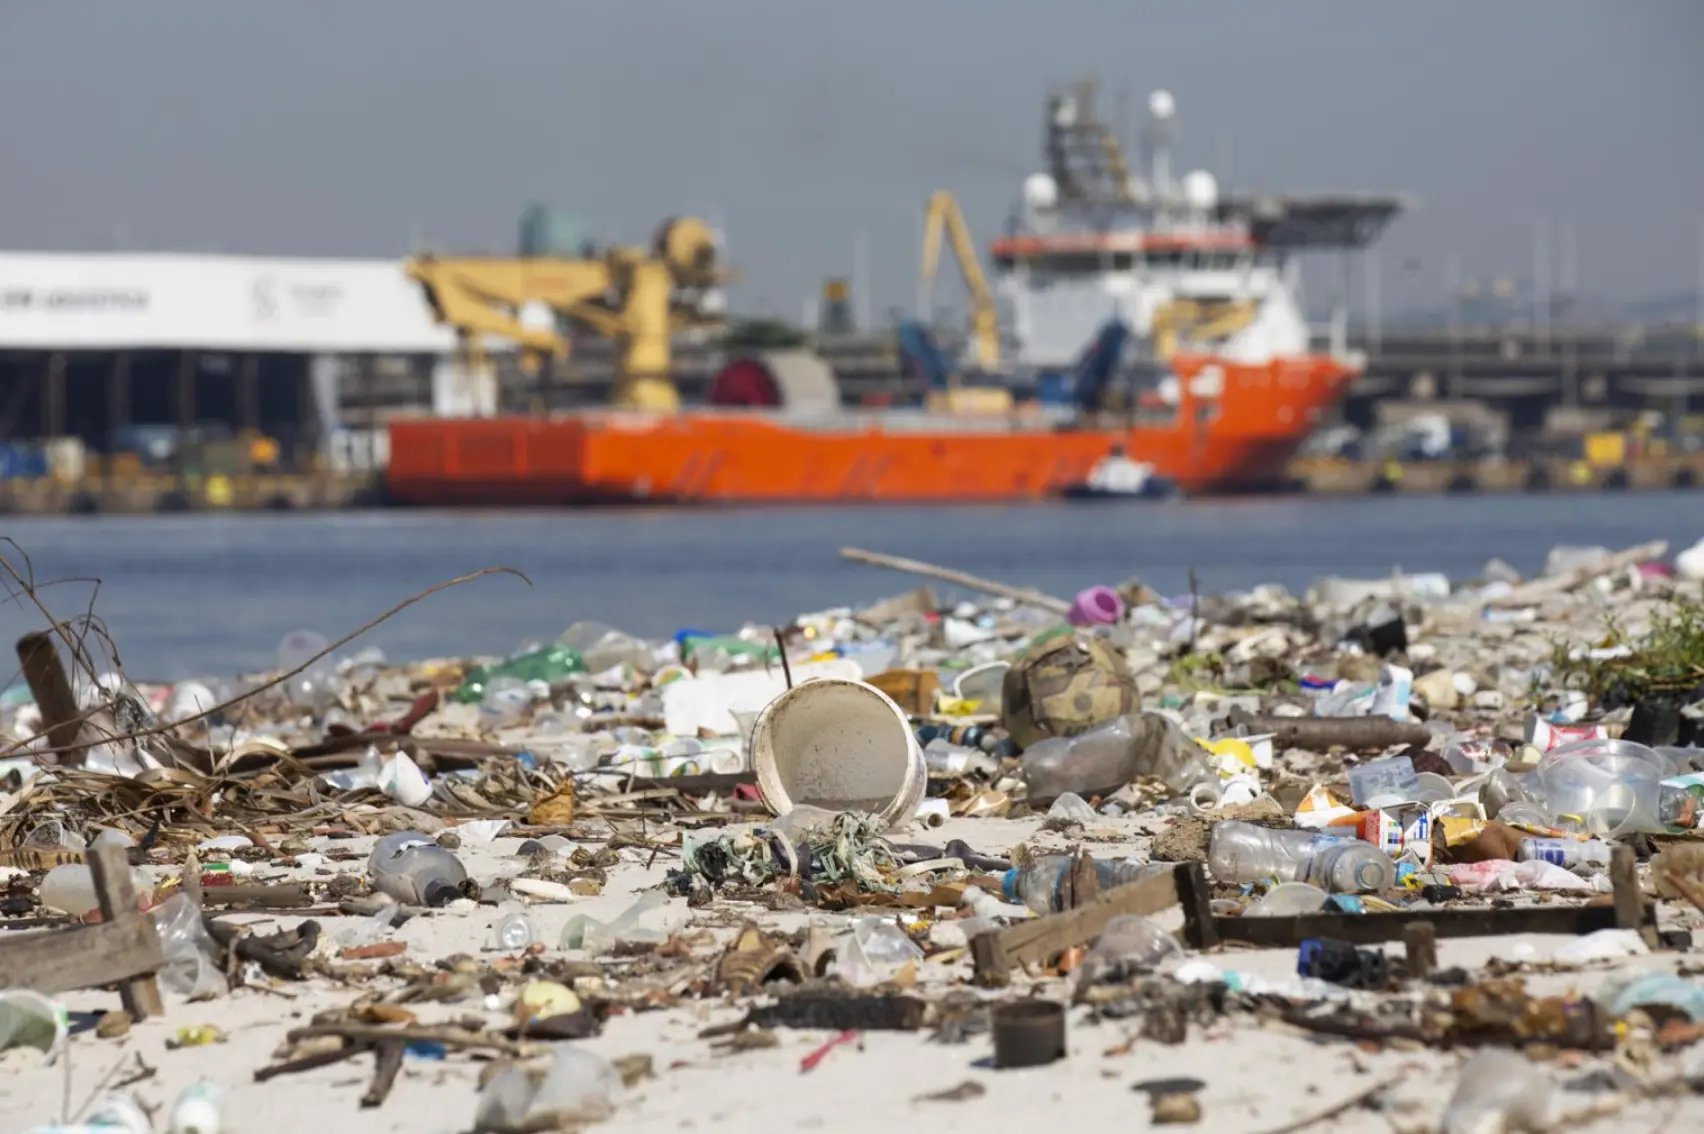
(1500, 1092)
(199, 1109)
(1571, 853)
(1110, 755)
(411, 868)
(515, 932)
(71, 888)
(547, 663)
(1243, 852)
(1352, 867)
(1037, 885)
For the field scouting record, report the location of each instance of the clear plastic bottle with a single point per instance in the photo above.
(1352, 867)
(1243, 852)
(1037, 885)
(1592, 854)
(1500, 1091)
(411, 868)
(1110, 755)
(514, 932)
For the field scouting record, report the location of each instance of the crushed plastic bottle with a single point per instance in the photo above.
(872, 951)
(1110, 755)
(579, 1086)
(1038, 885)
(1243, 852)
(583, 932)
(1129, 945)
(547, 664)
(411, 868)
(1072, 808)
(505, 701)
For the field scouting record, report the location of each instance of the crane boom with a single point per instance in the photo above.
(634, 298)
(944, 217)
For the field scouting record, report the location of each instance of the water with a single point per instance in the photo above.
(214, 594)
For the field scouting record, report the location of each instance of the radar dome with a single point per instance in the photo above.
(1201, 190)
(1040, 192)
(1161, 105)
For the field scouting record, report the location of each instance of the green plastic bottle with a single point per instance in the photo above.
(547, 663)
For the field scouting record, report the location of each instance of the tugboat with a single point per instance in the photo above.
(1117, 477)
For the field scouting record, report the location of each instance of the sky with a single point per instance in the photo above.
(804, 128)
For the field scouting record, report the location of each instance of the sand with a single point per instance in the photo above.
(1256, 1078)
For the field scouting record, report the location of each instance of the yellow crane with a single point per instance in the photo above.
(944, 217)
(636, 298)
(1199, 322)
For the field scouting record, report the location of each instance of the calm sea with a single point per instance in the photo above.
(213, 594)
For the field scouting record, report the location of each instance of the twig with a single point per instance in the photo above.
(161, 729)
(368, 1034)
(1335, 1109)
(781, 646)
(1194, 608)
(100, 1085)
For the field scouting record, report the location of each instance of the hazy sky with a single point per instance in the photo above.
(362, 128)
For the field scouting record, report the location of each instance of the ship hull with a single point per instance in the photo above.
(1234, 428)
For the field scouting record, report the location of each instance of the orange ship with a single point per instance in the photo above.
(1241, 440)
(1220, 389)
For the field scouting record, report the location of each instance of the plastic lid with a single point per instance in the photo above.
(1009, 885)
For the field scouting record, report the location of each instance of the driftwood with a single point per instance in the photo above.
(1039, 940)
(1361, 734)
(124, 949)
(44, 671)
(283, 954)
(282, 896)
(1526, 594)
(956, 578)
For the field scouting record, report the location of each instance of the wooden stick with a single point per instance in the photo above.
(1687, 888)
(1338, 1108)
(1630, 911)
(109, 866)
(1420, 943)
(387, 1061)
(369, 1033)
(1360, 734)
(44, 671)
(957, 578)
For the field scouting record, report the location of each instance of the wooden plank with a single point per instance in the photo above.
(1372, 928)
(88, 956)
(116, 892)
(1039, 940)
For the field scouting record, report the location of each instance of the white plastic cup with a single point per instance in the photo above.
(840, 745)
